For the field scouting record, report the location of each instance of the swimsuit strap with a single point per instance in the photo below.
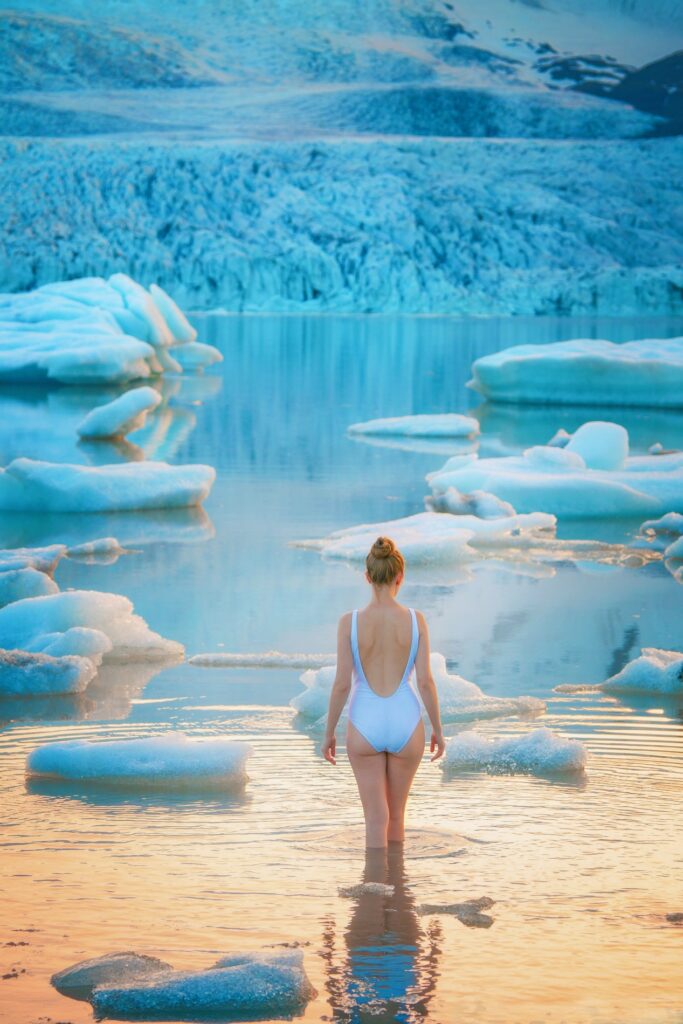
(414, 644)
(354, 639)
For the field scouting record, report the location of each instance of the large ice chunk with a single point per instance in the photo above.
(585, 371)
(116, 419)
(558, 481)
(434, 425)
(89, 330)
(600, 445)
(169, 762)
(540, 752)
(24, 673)
(654, 671)
(16, 584)
(27, 484)
(83, 622)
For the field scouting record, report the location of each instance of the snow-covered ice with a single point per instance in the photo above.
(83, 622)
(460, 700)
(29, 674)
(168, 761)
(585, 371)
(560, 481)
(126, 413)
(433, 426)
(540, 752)
(88, 330)
(268, 659)
(28, 484)
(653, 671)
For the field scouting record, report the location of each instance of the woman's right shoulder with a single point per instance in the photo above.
(345, 621)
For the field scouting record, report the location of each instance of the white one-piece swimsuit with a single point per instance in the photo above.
(387, 723)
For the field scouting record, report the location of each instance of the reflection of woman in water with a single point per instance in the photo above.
(385, 738)
(389, 971)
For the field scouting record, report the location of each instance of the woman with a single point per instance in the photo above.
(385, 738)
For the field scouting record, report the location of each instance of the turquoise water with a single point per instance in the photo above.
(583, 868)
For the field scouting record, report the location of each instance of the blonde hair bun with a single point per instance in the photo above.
(384, 562)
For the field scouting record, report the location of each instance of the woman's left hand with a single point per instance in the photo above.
(329, 749)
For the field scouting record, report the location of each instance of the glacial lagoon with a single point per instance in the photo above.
(582, 868)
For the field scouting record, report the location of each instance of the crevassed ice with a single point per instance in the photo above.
(585, 371)
(168, 760)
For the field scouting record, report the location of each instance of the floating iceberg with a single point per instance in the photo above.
(654, 671)
(83, 622)
(241, 986)
(27, 485)
(126, 413)
(477, 503)
(168, 762)
(460, 700)
(585, 371)
(436, 426)
(23, 673)
(540, 752)
(89, 330)
(564, 482)
(430, 537)
(15, 584)
(664, 534)
(269, 659)
(44, 559)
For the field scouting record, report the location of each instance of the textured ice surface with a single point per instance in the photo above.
(460, 700)
(442, 425)
(469, 912)
(38, 623)
(477, 503)
(556, 480)
(601, 445)
(539, 752)
(89, 330)
(428, 537)
(366, 889)
(28, 484)
(23, 673)
(124, 414)
(354, 225)
(654, 671)
(169, 761)
(79, 981)
(268, 659)
(16, 584)
(45, 559)
(585, 371)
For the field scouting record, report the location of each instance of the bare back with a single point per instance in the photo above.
(384, 641)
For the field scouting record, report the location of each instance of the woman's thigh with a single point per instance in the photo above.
(370, 768)
(401, 769)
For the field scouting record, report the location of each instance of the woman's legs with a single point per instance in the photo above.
(370, 768)
(401, 770)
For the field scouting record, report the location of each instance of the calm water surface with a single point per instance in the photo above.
(582, 870)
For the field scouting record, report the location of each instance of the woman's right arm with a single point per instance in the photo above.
(427, 688)
(340, 688)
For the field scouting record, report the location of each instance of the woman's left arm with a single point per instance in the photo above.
(340, 688)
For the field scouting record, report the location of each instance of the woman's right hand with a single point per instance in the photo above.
(329, 748)
(437, 743)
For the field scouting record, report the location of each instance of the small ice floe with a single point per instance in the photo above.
(430, 537)
(585, 371)
(27, 485)
(660, 534)
(478, 503)
(124, 414)
(87, 623)
(160, 762)
(590, 476)
(44, 559)
(79, 981)
(654, 671)
(540, 752)
(28, 674)
(366, 889)
(269, 659)
(15, 584)
(103, 550)
(92, 330)
(469, 912)
(427, 426)
(260, 985)
(459, 700)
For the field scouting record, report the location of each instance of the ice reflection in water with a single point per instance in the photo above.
(583, 874)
